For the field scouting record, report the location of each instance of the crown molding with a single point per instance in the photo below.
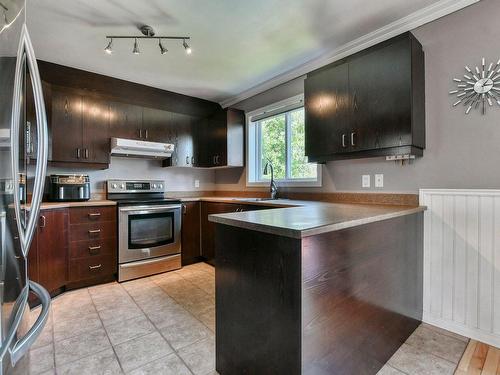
(410, 22)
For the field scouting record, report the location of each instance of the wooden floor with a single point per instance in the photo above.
(479, 359)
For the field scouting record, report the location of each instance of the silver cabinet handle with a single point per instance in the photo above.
(146, 133)
(22, 346)
(94, 249)
(184, 209)
(140, 133)
(95, 267)
(94, 214)
(192, 160)
(353, 134)
(78, 153)
(86, 153)
(43, 220)
(214, 159)
(94, 231)
(187, 160)
(26, 54)
(343, 141)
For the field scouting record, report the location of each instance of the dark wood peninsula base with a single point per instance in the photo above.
(340, 302)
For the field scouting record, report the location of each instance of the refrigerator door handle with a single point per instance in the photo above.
(22, 346)
(25, 53)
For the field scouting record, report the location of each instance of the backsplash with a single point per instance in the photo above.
(176, 179)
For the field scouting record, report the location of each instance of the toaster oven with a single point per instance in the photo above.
(69, 187)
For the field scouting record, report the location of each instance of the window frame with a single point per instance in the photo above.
(254, 145)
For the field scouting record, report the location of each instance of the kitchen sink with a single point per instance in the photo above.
(255, 199)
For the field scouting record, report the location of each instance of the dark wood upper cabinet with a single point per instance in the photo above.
(95, 130)
(369, 104)
(125, 120)
(326, 97)
(85, 110)
(66, 125)
(220, 139)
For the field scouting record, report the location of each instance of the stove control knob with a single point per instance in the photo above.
(122, 186)
(154, 186)
(114, 186)
(161, 186)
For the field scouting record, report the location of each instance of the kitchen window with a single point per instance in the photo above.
(276, 134)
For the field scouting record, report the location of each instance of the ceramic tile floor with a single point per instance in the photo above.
(162, 324)
(165, 324)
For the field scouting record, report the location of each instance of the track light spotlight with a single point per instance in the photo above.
(186, 47)
(109, 48)
(163, 50)
(136, 51)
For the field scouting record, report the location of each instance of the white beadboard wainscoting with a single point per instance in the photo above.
(462, 262)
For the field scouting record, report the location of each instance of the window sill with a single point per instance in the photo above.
(288, 183)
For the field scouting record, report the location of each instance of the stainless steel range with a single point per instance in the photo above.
(149, 228)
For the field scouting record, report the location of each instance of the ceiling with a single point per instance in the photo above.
(237, 45)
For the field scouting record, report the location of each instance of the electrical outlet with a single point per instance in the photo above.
(379, 180)
(196, 183)
(365, 181)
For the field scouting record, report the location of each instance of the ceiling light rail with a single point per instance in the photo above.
(148, 33)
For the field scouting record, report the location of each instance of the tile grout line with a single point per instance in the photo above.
(106, 332)
(157, 329)
(86, 356)
(433, 354)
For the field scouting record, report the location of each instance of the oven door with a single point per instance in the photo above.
(148, 232)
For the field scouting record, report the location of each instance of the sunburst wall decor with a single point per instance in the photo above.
(479, 88)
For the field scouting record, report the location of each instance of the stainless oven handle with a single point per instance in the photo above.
(150, 209)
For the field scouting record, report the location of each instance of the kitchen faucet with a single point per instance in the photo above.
(272, 188)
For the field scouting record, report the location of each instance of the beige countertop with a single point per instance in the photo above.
(298, 219)
(89, 203)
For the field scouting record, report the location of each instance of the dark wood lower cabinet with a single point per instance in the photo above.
(336, 303)
(48, 257)
(73, 247)
(208, 228)
(191, 246)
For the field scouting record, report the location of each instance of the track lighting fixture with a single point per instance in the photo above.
(136, 51)
(163, 50)
(148, 33)
(109, 48)
(186, 47)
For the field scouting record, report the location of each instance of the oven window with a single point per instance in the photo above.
(150, 230)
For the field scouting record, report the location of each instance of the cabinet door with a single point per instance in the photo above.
(67, 131)
(190, 232)
(183, 153)
(156, 125)
(218, 139)
(125, 120)
(96, 145)
(202, 151)
(380, 89)
(208, 227)
(53, 249)
(326, 104)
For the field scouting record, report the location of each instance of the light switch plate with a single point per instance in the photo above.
(379, 180)
(196, 183)
(365, 181)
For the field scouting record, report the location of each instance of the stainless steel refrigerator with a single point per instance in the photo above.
(23, 161)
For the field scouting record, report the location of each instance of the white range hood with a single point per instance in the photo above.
(140, 149)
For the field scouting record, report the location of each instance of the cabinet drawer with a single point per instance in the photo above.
(79, 215)
(92, 248)
(89, 268)
(92, 231)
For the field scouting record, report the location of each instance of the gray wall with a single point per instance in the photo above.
(176, 179)
(463, 151)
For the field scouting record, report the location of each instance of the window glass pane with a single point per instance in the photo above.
(300, 168)
(273, 146)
